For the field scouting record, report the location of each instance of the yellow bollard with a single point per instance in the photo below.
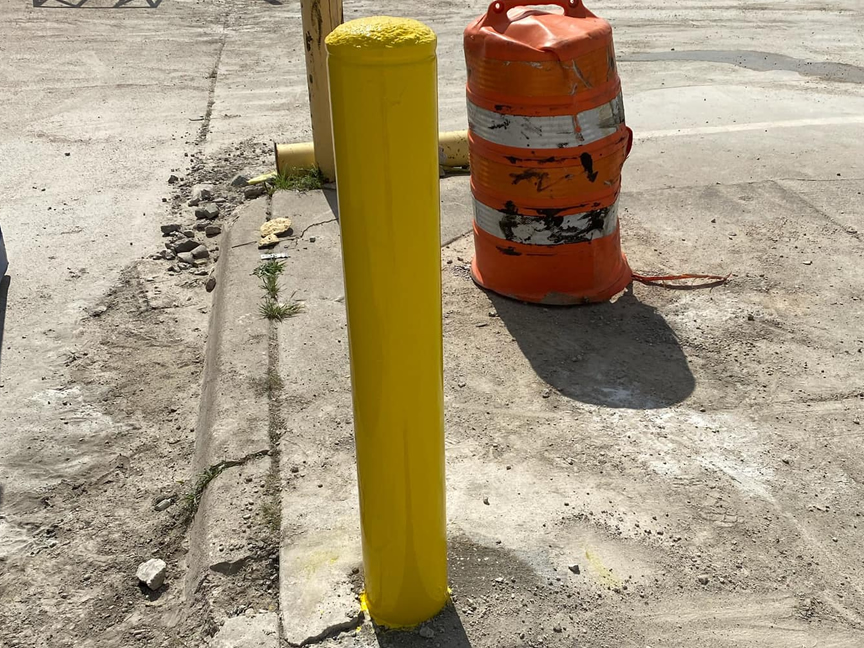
(385, 128)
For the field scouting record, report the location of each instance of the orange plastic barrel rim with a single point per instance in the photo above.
(500, 6)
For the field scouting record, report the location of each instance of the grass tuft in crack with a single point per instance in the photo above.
(192, 499)
(299, 179)
(270, 268)
(273, 310)
(271, 285)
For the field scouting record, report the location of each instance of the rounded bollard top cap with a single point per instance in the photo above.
(378, 34)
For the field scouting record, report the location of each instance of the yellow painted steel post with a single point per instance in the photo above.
(319, 18)
(383, 92)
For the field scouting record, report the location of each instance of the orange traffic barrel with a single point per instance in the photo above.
(547, 142)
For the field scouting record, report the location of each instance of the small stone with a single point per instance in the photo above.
(557, 628)
(168, 228)
(277, 226)
(250, 612)
(168, 255)
(254, 191)
(201, 193)
(186, 257)
(547, 393)
(573, 568)
(210, 285)
(184, 245)
(152, 573)
(462, 383)
(163, 504)
(200, 252)
(493, 313)
(268, 241)
(201, 225)
(212, 230)
(207, 210)
(808, 263)
(312, 239)
(239, 180)
(172, 179)
(188, 233)
(486, 501)
(426, 632)
(750, 317)
(713, 220)
(703, 579)
(786, 460)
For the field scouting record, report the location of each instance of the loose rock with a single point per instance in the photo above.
(268, 241)
(186, 257)
(212, 230)
(210, 285)
(163, 504)
(172, 179)
(277, 226)
(573, 568)
(208, 211)
(239, 180)
(152, 573)
(426, 632)
(200, 193)
(200, 252)
(184, 245)
(169, 228)
(703, 579)
(254, 191)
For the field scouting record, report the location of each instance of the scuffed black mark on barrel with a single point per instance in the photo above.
(553, 224)
(509, 251)
(505, 123)
(502, 108)
(539, 178)
(588, 164)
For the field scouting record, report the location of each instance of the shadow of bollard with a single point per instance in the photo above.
(620, 354)
(449, 632)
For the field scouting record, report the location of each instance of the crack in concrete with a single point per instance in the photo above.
(333, 630)
(299, 237)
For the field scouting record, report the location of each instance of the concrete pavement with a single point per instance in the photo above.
(694, 453)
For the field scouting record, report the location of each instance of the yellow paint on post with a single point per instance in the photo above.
(385, 129)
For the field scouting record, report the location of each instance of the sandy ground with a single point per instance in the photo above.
(102, 346)
(727, 420)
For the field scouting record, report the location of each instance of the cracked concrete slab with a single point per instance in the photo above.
(254, 631)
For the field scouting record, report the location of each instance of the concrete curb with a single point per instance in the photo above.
(232, 444)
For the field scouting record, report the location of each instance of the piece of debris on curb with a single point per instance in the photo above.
(210, 285)
(152, 573)
(276, 226)
(268, 241)
(573, 568)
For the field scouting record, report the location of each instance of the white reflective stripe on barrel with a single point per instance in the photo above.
(549, 132)
(547, 230)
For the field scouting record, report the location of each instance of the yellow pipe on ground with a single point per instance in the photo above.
(384, 103)
(453, 146)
